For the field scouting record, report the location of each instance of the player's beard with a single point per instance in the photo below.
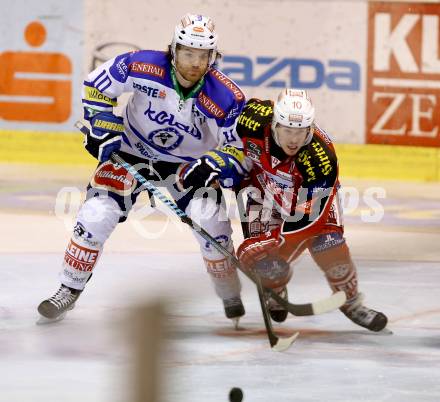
(190, 76)
(193, 76)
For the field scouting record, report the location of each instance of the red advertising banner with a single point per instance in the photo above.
(403, 74)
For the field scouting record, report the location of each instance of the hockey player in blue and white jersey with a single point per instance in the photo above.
(178, 128)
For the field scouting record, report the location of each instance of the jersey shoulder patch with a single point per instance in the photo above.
(224, 84)
(255, 118)
(141, 63)
(317, 161)
(319, 132)
(150, 64)
(220, 98)
(211, 107)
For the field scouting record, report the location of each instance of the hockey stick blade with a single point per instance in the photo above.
(330, 303)
(283, 344)
(333, 302)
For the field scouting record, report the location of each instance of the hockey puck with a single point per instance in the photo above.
(235, 395)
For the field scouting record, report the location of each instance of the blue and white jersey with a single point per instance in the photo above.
(159, 124)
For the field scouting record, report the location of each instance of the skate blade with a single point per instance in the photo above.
(385, 331)
(45, 321)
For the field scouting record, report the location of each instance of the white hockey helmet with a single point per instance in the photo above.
(293, 108)
(196, 31)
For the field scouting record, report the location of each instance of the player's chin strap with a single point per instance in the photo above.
(331, 303)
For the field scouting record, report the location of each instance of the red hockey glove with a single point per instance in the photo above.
(257, 248)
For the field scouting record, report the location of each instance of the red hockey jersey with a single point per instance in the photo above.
(301, 187)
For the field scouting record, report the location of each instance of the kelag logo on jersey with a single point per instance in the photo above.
(162, 117)
(165, 138)
(340, 75)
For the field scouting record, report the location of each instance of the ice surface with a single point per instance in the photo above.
(88, 356)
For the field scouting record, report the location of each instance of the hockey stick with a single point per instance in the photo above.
(261, 295)
(278, 344)
(330, 303)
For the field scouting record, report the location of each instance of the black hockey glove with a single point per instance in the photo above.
(105, 136)
(200, 173)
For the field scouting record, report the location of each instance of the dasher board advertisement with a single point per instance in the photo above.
(41, 48)
(403, 74)
(267, 45)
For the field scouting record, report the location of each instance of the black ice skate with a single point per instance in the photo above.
(55, 308)
(277, 313)
(364, 316)
(234, 309)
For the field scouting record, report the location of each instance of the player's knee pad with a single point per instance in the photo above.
(206, 208)
(273, 271)
(97, 219)
(218, 226)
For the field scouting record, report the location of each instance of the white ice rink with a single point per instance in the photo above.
(87, 357)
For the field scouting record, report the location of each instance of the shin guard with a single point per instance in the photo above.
(97, 219)
(336, 263)
(224, 277)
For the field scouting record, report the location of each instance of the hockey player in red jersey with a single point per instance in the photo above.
(293, 203)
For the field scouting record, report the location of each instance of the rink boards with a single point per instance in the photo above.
(371, 67)
(355, 160)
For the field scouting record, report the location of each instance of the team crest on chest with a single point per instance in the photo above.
(166, 138)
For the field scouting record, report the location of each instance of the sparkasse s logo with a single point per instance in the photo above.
(35, 85)
(403, 75)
